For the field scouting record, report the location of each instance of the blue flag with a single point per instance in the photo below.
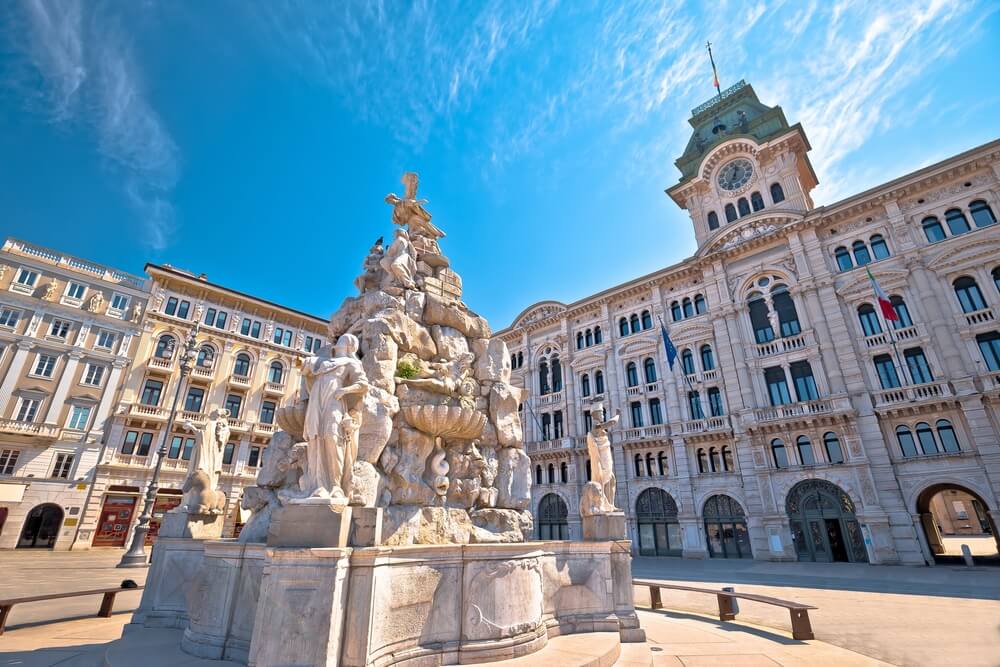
(668, 345)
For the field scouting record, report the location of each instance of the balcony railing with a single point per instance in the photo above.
(633, 391)
(912, 393)
(793, 410)
(161, 363)
(705, 425)
(991, 381)
(202, 372)
(884, 338)
(33, 429)
(644, 433)
(239, 381)
(132, 460)
(148, 411)
(260, 428)
(198, 418)
(238, 425)
(710, 375)
(983, 316)
(549, 399)
(549, 445)
(275, 388)
(783, 345)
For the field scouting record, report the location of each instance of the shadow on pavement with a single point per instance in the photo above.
(727, 626)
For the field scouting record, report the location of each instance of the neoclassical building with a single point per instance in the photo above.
(247, 348)
(68, 330)
(798, 421)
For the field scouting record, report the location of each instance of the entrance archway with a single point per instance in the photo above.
(726, 528)
(41, 527)
(553, 518)
(656, 518)
(952, 515)
(824, 527)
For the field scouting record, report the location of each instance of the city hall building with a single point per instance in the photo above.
(803, 419)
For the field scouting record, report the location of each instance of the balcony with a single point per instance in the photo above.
(141, 411)
(803, 409)
(260, 428)
(239, 381)
(198, 418)
(238, 425)
(912, 394)
(549, 445)
(274, 388)
(29, 429)
(884, 338)
(693, 426)
(784, 344)
(710, 375)
(131, 460)
(550, 399)
(633, 391)
(161, 364)
(991, 381)
(175, 464)
(644, 433)
(202, 373)
(984, 316)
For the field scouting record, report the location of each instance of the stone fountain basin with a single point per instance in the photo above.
(446, 421)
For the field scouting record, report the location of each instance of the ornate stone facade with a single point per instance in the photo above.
(786, 370)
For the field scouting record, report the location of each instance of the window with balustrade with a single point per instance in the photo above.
(241, 366)
(805, 383)
(707, 358)
(715, 402)
(631, 374)
(194, 399)
(917, 365)
(206, 357)
(649, 370)
(694, 405)
(276, 373)
(635, 407)
(902, 312)
(151, 392)
(655, 412)
(165, 347)
(777, 386)
(989, 348)
(267, 410)
(870, 323)
(234, 404)
(885, 368)
(687, 362)
(970, 298)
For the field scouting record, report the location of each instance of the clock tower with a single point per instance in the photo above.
(743, 163)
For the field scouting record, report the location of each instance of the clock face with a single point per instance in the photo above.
(734, 175)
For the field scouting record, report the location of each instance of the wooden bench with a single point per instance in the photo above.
(799, 613)
(107, 602)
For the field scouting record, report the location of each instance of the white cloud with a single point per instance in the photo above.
(86, 75)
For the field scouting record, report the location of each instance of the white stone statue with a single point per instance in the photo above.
(50, 291)
(96, 302)
(399, 262)
(408, 211)
(137, 313)
(336, 387)
(372, 268)
(201, 494)
(602, 464)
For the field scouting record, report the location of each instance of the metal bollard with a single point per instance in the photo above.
(967, 555)
(728, 607)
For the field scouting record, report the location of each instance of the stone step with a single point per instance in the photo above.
(154, 647)
(591, 649)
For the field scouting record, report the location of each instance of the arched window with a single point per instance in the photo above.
(688, 307)
(563, 472)
(638, 465)
(206, 356)
(946, 434)
(165, 347)
(520, 359)
(805, 448)
(788, 318)
(869, 319)
(552, 474)
(969, 296)
(634, 323)
(925, 436)
(543, 377)
(675, 312)
(902, 311)
(715, 402)
(556, 375)
(661, 462)
(579, 340)
(743, 206)
(589, 338)
(843, 256)
(649, 369)
(777, 193)
(727, 458)
(631, 374)
(276, 373)
(657, 527)
(649, 464)
(242, 366)
(699, 304)
(623, 326)
(906, 443)
(916, 364)
(538, 474)
(779, 454)
(982, 214)
(714, 462)
(694, 403)
(834, 454)
(598, 338)
(730, 213)
(861, 256)
(647, 320)
(713, 220)
(707, 358)
(879, 247)
(553, 518)
(702, 461)
(756, 201)
(759, 319)
(687, 362)
(957, 224)
(599, 382)
(585, 384)
(933, 229)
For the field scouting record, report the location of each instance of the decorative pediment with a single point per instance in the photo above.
(754, 227)
(972, 252)
(538, 312)
(589, 359)
(644, 344)
(689, 332)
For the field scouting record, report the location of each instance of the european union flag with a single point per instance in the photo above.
(668, 345)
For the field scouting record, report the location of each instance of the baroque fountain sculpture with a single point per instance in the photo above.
(390, 515)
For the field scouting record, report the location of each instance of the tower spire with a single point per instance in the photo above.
(715, 73)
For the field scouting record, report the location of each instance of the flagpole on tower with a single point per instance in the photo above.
(715, 73)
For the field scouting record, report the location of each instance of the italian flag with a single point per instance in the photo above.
(888, 312)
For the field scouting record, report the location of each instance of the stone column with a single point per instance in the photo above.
(14, 373)
(59, 397)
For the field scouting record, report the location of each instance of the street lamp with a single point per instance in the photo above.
(136, 554)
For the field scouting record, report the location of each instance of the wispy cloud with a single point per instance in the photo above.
(76, 67)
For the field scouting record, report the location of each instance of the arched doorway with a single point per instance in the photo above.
(823, 524)
(952, 515)
(552, 518)
(41, 527)
(726, 528)
(656, 518)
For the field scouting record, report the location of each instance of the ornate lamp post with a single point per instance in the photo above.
(136, 554)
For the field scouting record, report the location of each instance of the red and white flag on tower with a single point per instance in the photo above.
(884, 303)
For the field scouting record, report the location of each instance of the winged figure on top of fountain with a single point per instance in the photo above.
(439, 440)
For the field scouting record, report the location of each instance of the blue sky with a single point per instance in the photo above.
(255, 141)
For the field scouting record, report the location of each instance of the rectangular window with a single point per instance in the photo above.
(75, 290)
(209, 317)
(145, 442)
(636, 409)
(228, 452)
(309, 344)
(655, 412)
(176, 443)
(267, 409)
(188, 449)
(171, 308)
(79, 417)
(886, 369)
(557, 424)
(28, 409)
(989, 347)
(233, 403)
(119, 302)
(588, 421)
(254, 459)
(316, 345)
(245, 326)
(546, 426)
(62, 467)
(93, 375)
(128, 444)
(59, 329)
(8, 460)
(917, 364)
(694, 403)
(715, 402)
(278, 331)
(27, 277)
(286, 340)
(193, 401)
(182, 309)
(44, 365)
(805, 384)
(220, 320)
(255, 330)
(9, 317)
(151, 392)
(777, 386)
(106, 339)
